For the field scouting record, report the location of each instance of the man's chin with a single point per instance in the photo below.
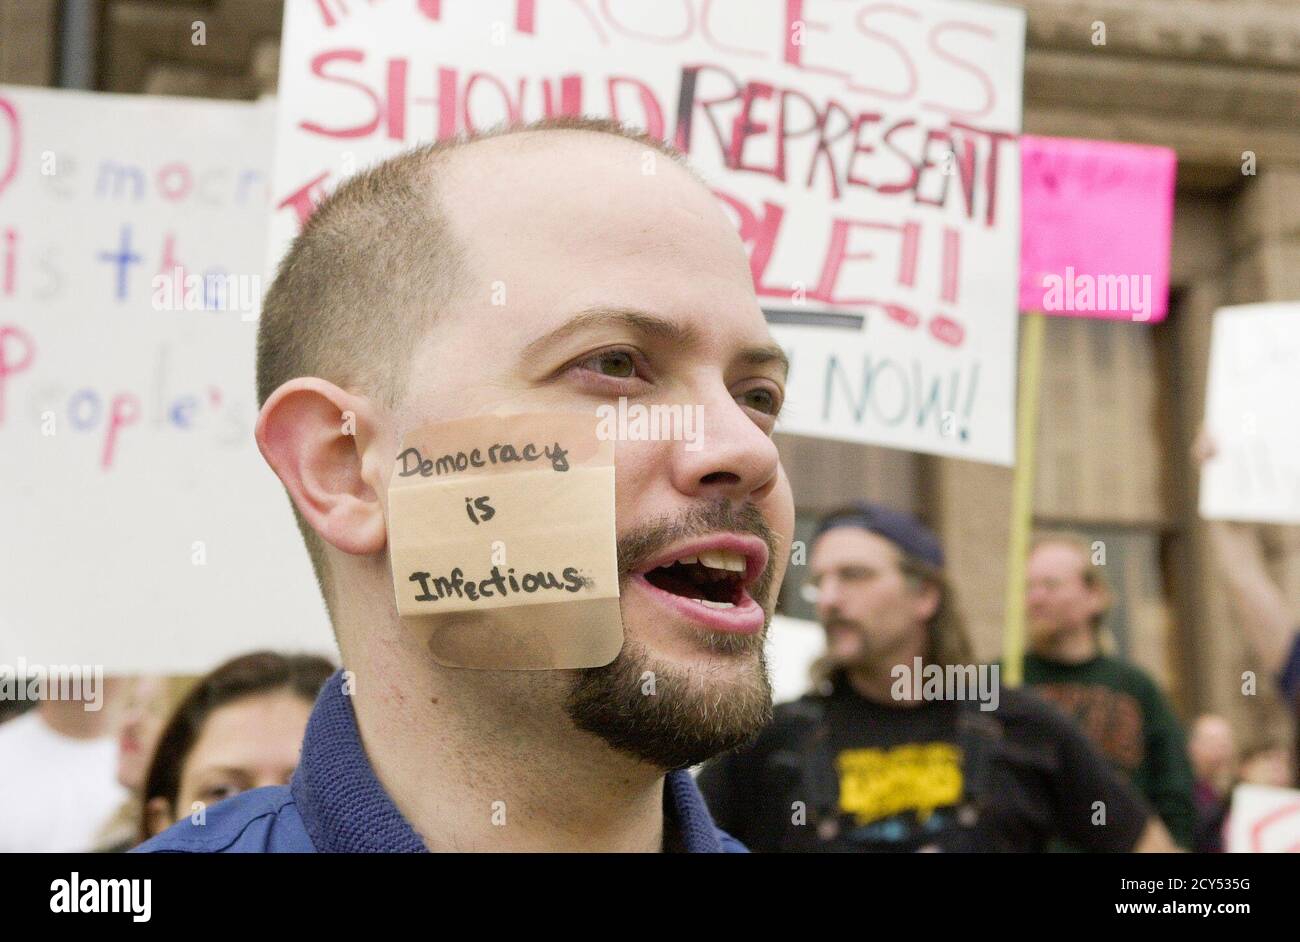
(1041, 633)
(673, 713)
(849, 656)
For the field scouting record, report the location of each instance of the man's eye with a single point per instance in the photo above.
(760, 399)
(614, 363)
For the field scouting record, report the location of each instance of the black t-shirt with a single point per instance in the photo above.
(841, 773)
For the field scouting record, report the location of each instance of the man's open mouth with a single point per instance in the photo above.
(714, 577)
(710, 581)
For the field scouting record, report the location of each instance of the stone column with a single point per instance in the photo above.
(28, 41)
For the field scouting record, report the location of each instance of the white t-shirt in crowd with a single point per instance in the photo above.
(56, 792)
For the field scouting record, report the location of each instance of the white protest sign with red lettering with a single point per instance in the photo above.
(1264, 820)
(139, 527)
(867, 152)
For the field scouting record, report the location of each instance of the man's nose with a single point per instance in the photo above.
(731, 456)
(828, 600)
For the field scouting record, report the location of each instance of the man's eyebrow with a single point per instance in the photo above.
(643, 322)
(763, 356)
(650, 325)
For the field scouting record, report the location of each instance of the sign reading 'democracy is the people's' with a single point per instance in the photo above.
(1250, 413)
(141, 530)
(866, 151)
(1096, 218)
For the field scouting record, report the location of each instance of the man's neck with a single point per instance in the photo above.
(473, 767)
(1075, 646)
(875, 681)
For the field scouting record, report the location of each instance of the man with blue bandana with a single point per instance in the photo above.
(908, 745)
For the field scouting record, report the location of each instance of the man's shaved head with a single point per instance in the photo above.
(376, 264)
(560, 267)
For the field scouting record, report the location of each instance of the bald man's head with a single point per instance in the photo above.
(561, 268)
(386, 253)
(1212, 748)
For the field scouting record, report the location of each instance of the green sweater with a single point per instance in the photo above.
(1130, 721)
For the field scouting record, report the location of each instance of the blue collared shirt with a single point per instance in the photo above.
(335, 804)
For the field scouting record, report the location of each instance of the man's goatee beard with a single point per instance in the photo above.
(672, 715)
(688, 718)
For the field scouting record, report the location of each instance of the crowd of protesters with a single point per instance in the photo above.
(1087, 756)
(157, 750)
(889, 751)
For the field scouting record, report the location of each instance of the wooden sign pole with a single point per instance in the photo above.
(1022, 497)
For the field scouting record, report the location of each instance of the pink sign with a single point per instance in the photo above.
(1096, 221)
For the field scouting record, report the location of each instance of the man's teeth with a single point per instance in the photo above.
(718, 559)
(708, 604)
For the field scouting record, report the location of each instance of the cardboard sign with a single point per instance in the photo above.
(1096, 223)
(501, 536)
(867, 153)
(140, 528)
(1250, 400)
(1264, 820)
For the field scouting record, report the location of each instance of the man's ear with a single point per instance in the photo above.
(308, 433)
(1097, 599)
(927, 598)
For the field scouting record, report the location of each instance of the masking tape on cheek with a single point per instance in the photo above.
(501, 536)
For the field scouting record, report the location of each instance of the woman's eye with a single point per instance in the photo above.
(760, 399)
(219, 793)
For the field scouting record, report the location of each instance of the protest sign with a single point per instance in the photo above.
(1096, 223)
(1252, 389)
(142, 531)
(867, 153)
(1264, 820)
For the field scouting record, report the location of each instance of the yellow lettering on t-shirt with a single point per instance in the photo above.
(880, 783)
